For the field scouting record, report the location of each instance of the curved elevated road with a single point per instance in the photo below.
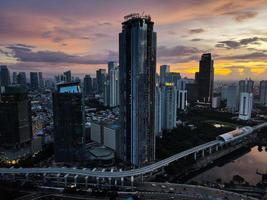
(128, 173)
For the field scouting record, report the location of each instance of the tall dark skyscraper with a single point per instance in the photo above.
(41, 80)
(67, 76)
(87, 85)
(15, 117)
(205, 78)
(21, 78)
(101, 78)
(68, 122)
(4, 76)
(34, 80)
(137, 57)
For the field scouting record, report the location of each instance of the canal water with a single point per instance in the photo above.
(245, 165)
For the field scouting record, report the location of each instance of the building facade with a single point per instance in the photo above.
(4, 76)
(205, 78)
(68, 122)
(137, 60)
(263, 92)
(168, 106)
(246, 104)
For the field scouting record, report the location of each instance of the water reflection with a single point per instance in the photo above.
(245, 166)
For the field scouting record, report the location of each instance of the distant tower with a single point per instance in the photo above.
(137, 52)
(21, 78)
(67, 76)
(246, 86)
(263, 92)
(68, 122)
(101, 78)
(41, 80)
(168, 106)
(245, 107)
(164, 70)
(87, 85)
(205, 78)
(15, 117)
(14, 78)
(112, 85)
(158, 110)
(4, 76)
(34, 80)
(182, 99)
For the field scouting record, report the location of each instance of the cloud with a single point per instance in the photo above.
(241, 16)
(231, 44)
(196, 40)
(250, 56)
(197, 30)
(26, 54)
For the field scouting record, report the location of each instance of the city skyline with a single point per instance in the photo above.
(56, 37)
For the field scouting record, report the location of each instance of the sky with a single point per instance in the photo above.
(82, 35)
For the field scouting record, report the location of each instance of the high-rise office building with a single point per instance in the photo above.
(263, 92)
(21, 78)
(67, 76)
(112, 85)
(232, 98)
(15, 117)
(14, 78)
(87, 85)
(168, 106)
(205, 78)
(68, 122)
(34, 80)
(192, 92)
(4, 76)
(101, 78)
(137, 55)
(182, 99)
(158, 126)
(41, 80)
(164, 70)
(245, 106)
(246, 85)
(173, 77)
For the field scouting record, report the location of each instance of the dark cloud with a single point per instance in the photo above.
(197, 30)
(178, 53)
(25, 54)
(231, 44)
(196, 40)
(241, 16)
(250, 56)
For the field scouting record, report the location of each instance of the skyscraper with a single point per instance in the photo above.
(34, 80)
(15, 117)
(4, 76)
(158, 113)
(112, 85)
(263, 92)
(205, 78)
(68, 122)
(87, 85)
(67, 76)
(168, 106)
(21, 78)
(41, 80)
(137, 55)
(164, 69)
(246, 86)
(232, 98)
(182, 99)
(245, 107)
(14, 78)
(101, 78)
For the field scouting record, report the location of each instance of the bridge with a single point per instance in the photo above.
(201, 150)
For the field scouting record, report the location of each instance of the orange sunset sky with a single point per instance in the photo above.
(82, 35)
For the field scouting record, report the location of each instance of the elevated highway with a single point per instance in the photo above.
(203, 149)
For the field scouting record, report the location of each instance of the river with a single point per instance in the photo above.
(246, 166)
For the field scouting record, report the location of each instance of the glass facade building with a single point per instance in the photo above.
(137, 60)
